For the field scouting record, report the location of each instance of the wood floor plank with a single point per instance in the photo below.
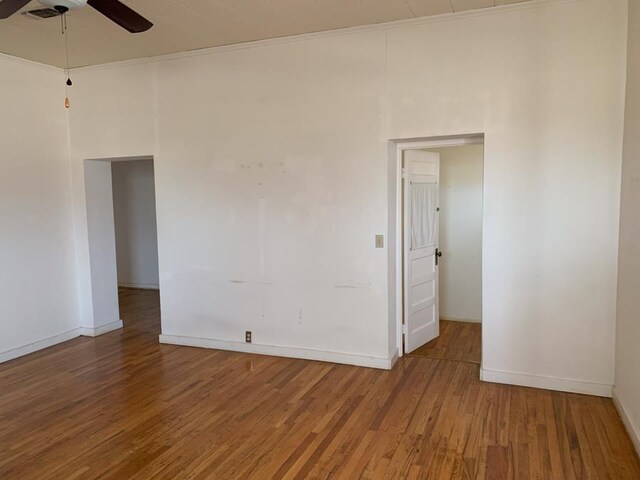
(460, 341)
(121, 406)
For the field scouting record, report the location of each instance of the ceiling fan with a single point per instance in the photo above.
(114, 10)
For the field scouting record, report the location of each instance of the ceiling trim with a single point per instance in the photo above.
(500, 9)
(4, 57)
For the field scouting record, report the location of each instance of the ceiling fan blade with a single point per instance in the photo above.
(122, 15)
(9, 7)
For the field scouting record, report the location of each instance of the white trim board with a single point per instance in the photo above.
(462, 320)
(101, 330)
(631, 429)
(39, 345)
(57, 339)
(140, 286)
(394, 359)
(279, 351)
(547, 383)
(409, 22)
(5, 57)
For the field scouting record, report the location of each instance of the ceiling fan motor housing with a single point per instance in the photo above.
(66, 4)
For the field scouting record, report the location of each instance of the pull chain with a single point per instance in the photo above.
(68, 82)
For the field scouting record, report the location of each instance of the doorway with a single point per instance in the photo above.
(136, 232)
(123, 246)
(439, 248)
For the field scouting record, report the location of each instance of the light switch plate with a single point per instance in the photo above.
(379, 241)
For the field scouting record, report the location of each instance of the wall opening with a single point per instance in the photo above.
(436, 292)
(123, 251)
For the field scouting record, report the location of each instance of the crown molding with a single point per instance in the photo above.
(500, 9)
(445, 17)
(6, 58)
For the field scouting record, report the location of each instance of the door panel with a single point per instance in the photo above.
(421, 316)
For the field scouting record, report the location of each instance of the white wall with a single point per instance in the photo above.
(134, 204)
(461, 232)
(102, 246)
(37, 284)
(272, 179)
(627, 389)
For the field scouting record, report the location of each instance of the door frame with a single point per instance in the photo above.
(103, 311)
(400, 147)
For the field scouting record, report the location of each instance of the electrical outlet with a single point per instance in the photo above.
(247, 336)
(379, 241)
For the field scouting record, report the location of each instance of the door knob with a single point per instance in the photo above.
(438, 255)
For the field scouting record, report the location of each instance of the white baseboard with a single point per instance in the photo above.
(140, 286)
(394, 359)
(547, 383)
(634, 432)
(458, 319)
(56, 339)
(38, 345)
(278, 351)
(101, 330)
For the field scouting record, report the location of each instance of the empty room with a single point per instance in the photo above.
(382, 239)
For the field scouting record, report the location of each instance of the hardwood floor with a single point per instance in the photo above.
(140, 309)
(461, 341)
(123, 407)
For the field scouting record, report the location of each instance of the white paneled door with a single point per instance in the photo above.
(421, 183)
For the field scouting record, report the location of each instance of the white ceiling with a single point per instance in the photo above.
(182, 25)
